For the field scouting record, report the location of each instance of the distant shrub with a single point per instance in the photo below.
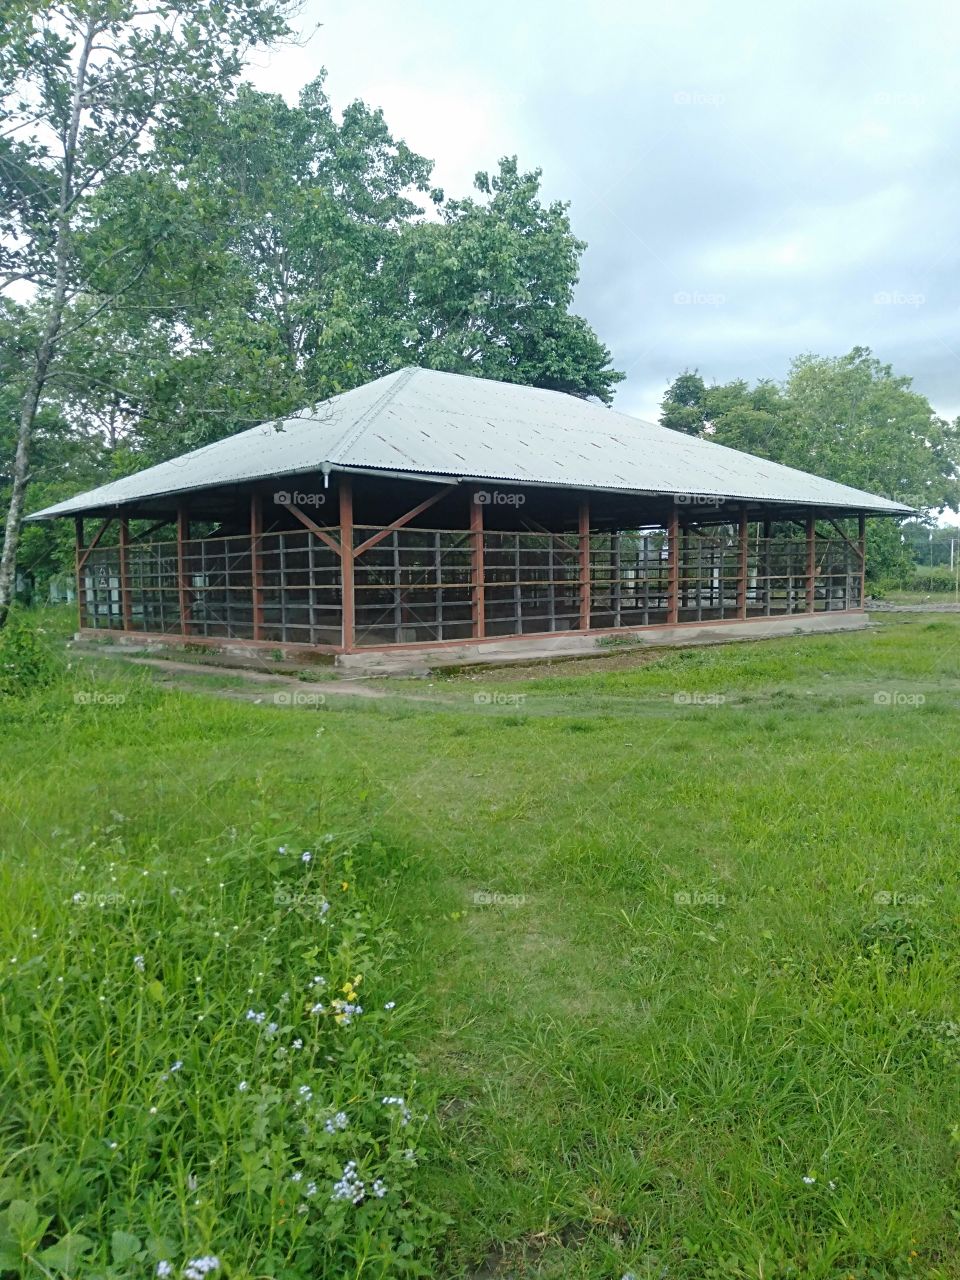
(27, 660)
(941, 578)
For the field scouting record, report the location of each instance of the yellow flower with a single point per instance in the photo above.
(344, 885)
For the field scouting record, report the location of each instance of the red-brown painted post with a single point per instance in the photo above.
(125, 602)
(811, 562)
(183, 535)
(346, 563)
(862, 543)
(78, 526)
(673, 567)
(584, 537)
(743, 565)
(477, 594)
(256, 563)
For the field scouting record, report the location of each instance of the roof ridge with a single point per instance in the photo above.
(354, 432)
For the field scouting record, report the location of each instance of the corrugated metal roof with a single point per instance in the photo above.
(419, 421)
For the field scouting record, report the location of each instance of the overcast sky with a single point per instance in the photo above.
(753, 181)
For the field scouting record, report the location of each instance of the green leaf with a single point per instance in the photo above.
(67, 1252)
(124, 1246)
(22, 1218)
(10, 1256)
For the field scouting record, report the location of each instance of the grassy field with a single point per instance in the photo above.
(672, 945)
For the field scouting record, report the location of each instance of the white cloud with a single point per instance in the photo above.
(797, 158)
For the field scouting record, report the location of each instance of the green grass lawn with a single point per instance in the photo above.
(674, 948)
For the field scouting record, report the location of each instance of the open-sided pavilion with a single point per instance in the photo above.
(434, 509)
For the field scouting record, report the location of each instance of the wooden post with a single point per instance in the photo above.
(585, 565)
(743, 566)
(811, 562)
(862, 543)
(477, 594)
(183, 535)
(346, 562)
(673, 567)
(78, 526)
(125, 602)
(256, 564)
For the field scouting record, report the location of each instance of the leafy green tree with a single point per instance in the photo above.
(297, 260)
(684, 405)
(849, 418)
(490, 287)
(85, 83)
(65, 456)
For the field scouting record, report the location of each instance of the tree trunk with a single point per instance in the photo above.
(48, 344)
(21, 462)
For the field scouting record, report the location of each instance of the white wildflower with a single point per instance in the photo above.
(197, 1268)
(401, 1105)
(349, 1186)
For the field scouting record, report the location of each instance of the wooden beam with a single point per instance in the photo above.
(743, 563)
(811, 575)
(159, 524)
(78, 529)
(125, 601)
(313, 527)
(256, 563)
(183, 535)
(850, 543)
(584, 533)
(673, 567)
(96, 538)
(477, 593)
(404, 520)
(536, 527)
(862, 539)
(346, 562)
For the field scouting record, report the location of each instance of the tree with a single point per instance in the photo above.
(684, 405)
(85, 85)
(297, 261)
(849, 418)
(64, 457)
(490, 288)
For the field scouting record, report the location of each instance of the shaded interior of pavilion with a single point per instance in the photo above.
(348, 561)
